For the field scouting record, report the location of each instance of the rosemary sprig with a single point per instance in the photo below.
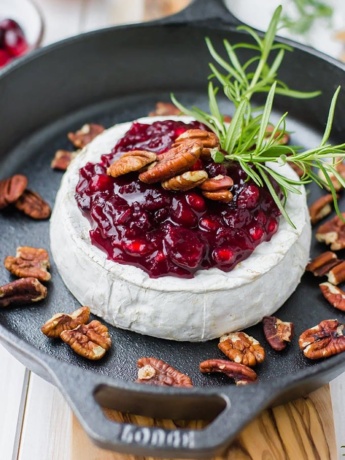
(250, 138)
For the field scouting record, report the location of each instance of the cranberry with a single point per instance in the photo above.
(185, 248)
(196, 202)
(249, 197)
(211, 224)
(182, 214)
(172, 233)
(13, 40)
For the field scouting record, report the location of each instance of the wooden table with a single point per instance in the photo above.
(36, 422)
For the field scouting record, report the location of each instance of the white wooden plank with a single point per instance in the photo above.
(337, 387)
(46, 430)
(12, 398)
(61, 18)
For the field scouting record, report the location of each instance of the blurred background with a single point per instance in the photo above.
(316, 23)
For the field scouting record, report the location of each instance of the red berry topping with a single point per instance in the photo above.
(172, 233)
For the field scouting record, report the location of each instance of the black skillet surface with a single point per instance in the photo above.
(116, 75)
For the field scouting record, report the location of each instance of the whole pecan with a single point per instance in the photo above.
(131, 161)
(29, 262)
(208, 139)
(334, 295)
(242, 348)
(11, 189)
(164, 108)
(185, 181)
(277, 332)
(320, 208)
(22, 292)
(173, 162)
(33, 205)
(85, 134)
(88, 340)
(157, 372)
(332, 232)
(239, 372)
(322, 264)
(324, 340)
(62, 159)
(63, 322)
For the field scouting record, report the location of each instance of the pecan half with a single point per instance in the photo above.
(322, 264)
(320, 208)
(157, 372)
(239, 372)
(85, 134)
(332, 232)
(241, 348)
(29, 262)
(334, 295)
(62, 159)
(224, 196)
(175, 161)
(324, 340)
(33, 205)
(214, 184)
(299, 171)
(284, 137)
(277, 332)
(208, 139)
(185, 181)
(337, 274)
(22, 292)
(217, 188)
(339, 166)
(63, 322)
(131, 161)
(88, 340)
(164, 108)
(11, 189)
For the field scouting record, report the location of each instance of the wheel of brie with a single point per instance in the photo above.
(166, 267)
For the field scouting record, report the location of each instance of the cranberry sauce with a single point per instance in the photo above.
(172, 233)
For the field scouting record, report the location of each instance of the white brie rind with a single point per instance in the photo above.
(198, 309)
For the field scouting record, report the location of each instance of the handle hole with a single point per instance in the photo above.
(180, 408)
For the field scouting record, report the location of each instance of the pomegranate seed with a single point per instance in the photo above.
(272, 225)
(137, 248)
(256, 232)
(223, 255)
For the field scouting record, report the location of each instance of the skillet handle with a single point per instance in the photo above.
(240, 405)
(207, 12)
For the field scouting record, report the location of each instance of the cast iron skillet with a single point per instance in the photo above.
(110, 76)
